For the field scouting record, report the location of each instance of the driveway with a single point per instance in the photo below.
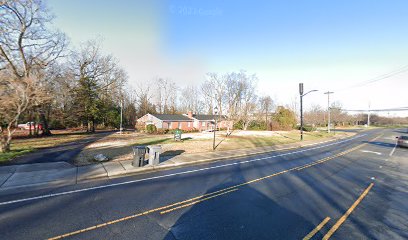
(62, 153)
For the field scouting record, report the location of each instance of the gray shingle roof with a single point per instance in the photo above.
(172, 117)
(202, 117)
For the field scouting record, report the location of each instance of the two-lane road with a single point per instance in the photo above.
(349, 189)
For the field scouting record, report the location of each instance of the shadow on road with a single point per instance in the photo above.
(381, 144)
(246, 213)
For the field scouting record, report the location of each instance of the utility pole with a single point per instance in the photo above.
(328, 110)
(215, 112)
(368, 115)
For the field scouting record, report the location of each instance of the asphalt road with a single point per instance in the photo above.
(62, 153)
(350, 189)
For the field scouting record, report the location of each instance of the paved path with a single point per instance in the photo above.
(350, 190)
(62, 153)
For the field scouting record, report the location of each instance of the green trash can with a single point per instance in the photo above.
(177, 135)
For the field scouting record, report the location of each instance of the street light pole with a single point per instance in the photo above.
(301, 107)
(215, 125)
(301, 117)
(328, 110)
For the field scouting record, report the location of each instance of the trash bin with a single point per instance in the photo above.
(154, 154)
(177, 135)
(138, 156)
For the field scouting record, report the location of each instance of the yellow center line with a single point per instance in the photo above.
(198, 201)
(317, 229)
(226, 190)
(329, 158)
(349, 211)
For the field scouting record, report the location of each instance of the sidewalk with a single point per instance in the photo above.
(63, 173)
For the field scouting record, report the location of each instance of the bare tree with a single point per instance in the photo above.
(294, 106)
(248, 98)
(16, 96)
(26, 47)
(266, 107)
(166, 95)
(144, 98)
(233, 93)
(208, 97)
(25, 41)
(190, 100)
(214, 91)
(316, 116)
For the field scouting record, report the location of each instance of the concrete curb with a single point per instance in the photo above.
(22, 177)
(174, 165)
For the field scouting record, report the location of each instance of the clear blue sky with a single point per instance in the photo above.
(325, 44)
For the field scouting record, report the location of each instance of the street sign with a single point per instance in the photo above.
(301, 88)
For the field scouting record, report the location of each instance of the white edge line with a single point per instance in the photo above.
(169, 175)
(393, 150)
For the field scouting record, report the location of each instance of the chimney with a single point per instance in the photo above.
(190, 114)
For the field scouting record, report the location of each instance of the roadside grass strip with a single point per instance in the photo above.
(172, 174)
(316, 229)
(212, 195)
(349, 211)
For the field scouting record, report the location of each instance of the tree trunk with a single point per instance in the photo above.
(245, 126)
(31, 127)
(45, 128)
(93, 126)
(6, 140)
(5, 147)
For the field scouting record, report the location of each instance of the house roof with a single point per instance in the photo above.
(202, 117)
(171, 117)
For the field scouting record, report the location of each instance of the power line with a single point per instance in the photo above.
(377, 110)
(328, 110)
(378, 78)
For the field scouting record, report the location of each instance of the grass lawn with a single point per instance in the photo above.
(257, 141)
(119, 147)
(15, 152)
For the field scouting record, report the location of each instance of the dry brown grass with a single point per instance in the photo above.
(118, 147)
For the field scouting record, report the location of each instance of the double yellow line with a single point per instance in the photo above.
(330, 158)
(205, 197)
(164, 209)
(340, 221)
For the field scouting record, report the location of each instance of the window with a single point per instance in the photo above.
(189, 124)
(203, 124)
(179, 125)
(169, 125)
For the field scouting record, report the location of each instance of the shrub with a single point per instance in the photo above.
(284, 119)
(308, 128)
(151, 128)
(257, 125)
(238, 125)
(173, 130)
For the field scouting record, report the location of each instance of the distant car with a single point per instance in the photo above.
(403, 141)
(26, 126)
